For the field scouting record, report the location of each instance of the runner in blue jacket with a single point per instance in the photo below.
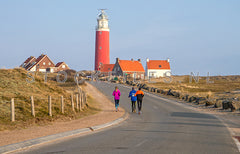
(133, 99)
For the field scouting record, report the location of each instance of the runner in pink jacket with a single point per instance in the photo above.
(116, 93)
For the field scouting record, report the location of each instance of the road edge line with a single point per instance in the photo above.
(114, 122)
(237, 143)
(41, 140)
(45, 139)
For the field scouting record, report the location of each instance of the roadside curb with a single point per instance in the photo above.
(117, 121)
(41, 140)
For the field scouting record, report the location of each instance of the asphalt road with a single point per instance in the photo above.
(164, 127)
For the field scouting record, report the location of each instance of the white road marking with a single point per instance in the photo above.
(139, 144)
(237, 143)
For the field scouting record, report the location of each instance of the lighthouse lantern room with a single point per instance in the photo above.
(102, 40)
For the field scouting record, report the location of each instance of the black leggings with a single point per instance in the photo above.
(139, 102)
(133, 105)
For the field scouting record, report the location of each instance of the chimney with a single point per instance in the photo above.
(132, 59)
(168, 60)
(147, 60)
(139, 60)
(117, 60)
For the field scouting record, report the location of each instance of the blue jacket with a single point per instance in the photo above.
(131, 94)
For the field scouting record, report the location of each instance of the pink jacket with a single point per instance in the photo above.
(116, 94)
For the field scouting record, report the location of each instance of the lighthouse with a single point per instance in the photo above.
(102, 40)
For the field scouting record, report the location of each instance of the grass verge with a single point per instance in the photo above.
(13, 84)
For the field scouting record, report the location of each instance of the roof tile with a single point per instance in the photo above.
(58, 64)
(158, 64)
(106, 67)
(131, 66)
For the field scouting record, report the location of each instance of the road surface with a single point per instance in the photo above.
(164, 127)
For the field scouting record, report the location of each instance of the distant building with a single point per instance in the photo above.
(102, 41)
(43, 64)
(106, 69)
(157, 68)
(28, 62)
(129, 67)
(61, 66)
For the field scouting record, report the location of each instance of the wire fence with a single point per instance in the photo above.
(19, 108)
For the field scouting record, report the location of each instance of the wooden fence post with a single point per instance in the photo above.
(82, 99)
(80, 104)
(62, 104)
(32, 106)
(12, 110)
(72, 103)
(49, 105)
(77, 102)
(86, 98)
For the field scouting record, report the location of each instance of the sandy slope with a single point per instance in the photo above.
(106, 115)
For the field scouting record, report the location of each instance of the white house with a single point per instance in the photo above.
(157, 68)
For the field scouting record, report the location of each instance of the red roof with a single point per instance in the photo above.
(28, 62)
(29, 59)
(158, 64)
(29, 65)
(131, 66)
(58, 64)
(106, 67)
(39, 59)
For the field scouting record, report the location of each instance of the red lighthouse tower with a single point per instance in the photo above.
(102, 41)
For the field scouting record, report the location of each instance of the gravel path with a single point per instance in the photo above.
(106, 115)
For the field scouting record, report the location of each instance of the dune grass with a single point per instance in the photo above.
(222, 85)
(13, 84)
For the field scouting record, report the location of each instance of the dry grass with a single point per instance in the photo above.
(222, 86)
(13, 84)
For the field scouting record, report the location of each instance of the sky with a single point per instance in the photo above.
(198, 36)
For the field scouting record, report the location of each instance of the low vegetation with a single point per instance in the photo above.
(13, 84)
(217, 85)
(215, 91)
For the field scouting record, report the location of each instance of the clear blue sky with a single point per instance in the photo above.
(198, 36)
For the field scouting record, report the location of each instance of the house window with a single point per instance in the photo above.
(100, 32)
(109, 69)
(100, 48)
(44, 63)
(63, 66)
(160, 66)
(49, 63)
